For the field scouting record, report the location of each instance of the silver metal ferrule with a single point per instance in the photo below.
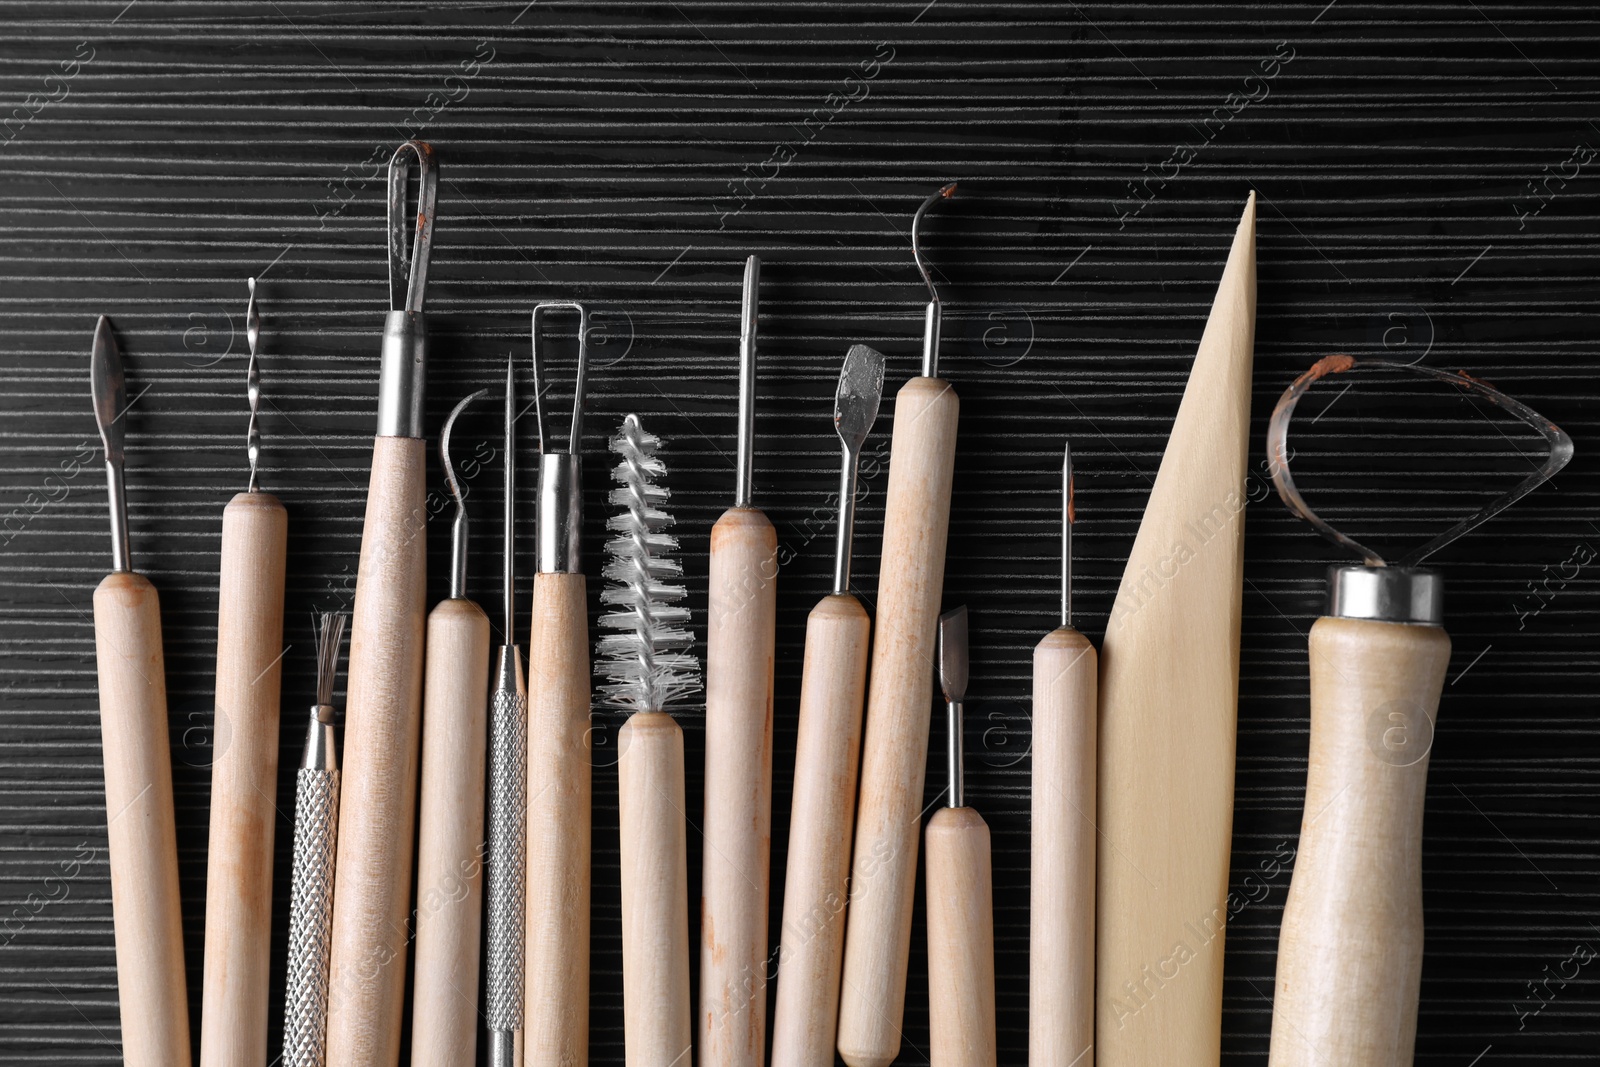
(121, 557)
(1386, 594)
(403, 375)
(560, 530)
(505, 1048)
(320, 754)
(956, 753)
(849, 471)
(933, 321)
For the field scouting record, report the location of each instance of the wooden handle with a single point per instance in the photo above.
(1350, 950)
(899, 702)
(805, 1020)
(455, 699)
(139, 823)
(244, 782)
(742, 606)
(377, 811)
(655, 892)
(1061, 936)
(555, 1020)
(960, 940)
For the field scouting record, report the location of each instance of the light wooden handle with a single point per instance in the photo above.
(444, 1016)
(139, 823)
(960, 940)
(895, 750)
(377, 811)
(655, 892)
(1350, 950)
(742, 606)
(1061, 936)
(816, 887)
(555, 1020)
(244, 782)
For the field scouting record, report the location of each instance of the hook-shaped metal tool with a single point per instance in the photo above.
(458, 529)
(1403, 592)
(560, 470)
(408, 263)
(933, 319)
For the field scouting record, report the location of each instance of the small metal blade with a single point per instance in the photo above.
(855, 405)
(953, 654)
(109, 389)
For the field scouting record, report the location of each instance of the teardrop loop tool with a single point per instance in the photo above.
(1350, 947)
(1404, 591)
(402, 376)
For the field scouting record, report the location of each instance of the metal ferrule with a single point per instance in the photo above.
(1386, 594)
(320, 754)
(560, 513)
(458, 555)
(121, 557)
(403, 375)
(957, 797)
(933, 320)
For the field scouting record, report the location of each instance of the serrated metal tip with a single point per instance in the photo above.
(855, 404)
(252, 385)
(953, 654)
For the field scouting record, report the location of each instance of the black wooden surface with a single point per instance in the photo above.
(1427, 176)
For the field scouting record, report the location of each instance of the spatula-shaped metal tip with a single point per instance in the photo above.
(855, 405)
(109, 388)
(953, 654)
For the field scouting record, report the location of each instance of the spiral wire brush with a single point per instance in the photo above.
(645, 664)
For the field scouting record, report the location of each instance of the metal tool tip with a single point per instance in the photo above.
(948, 191)
(1069, 488)
(953, 654)
(108, 387)
(855, 403)
(252, 320)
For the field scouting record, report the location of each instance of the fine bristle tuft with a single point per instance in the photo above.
(330, 632)
(645, 663)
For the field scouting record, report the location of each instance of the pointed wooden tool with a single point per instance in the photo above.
(1169, 683)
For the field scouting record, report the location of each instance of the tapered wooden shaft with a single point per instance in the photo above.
(377, 810)
(1350, 949)
(735, 875)
(244, 782)
(816, 887)
(655, 892)
(555, 1019)
(1061, 907)
(444, 1014)
(140, 828)
(895, 748)
(960, 940)
(1169, 702)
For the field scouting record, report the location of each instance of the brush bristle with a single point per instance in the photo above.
(644, 663)
(330, 631)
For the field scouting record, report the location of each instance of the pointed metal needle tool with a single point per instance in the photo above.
(140, 826)
(916, 525)
(1061, 930)
(741, 626)
(960, 885)
(508, 769)
(832, 688)
(244, 774)
(455, 696)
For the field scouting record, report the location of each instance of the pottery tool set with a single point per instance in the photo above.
(483, 762)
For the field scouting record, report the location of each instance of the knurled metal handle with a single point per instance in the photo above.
(316, 827)
(508, 762)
